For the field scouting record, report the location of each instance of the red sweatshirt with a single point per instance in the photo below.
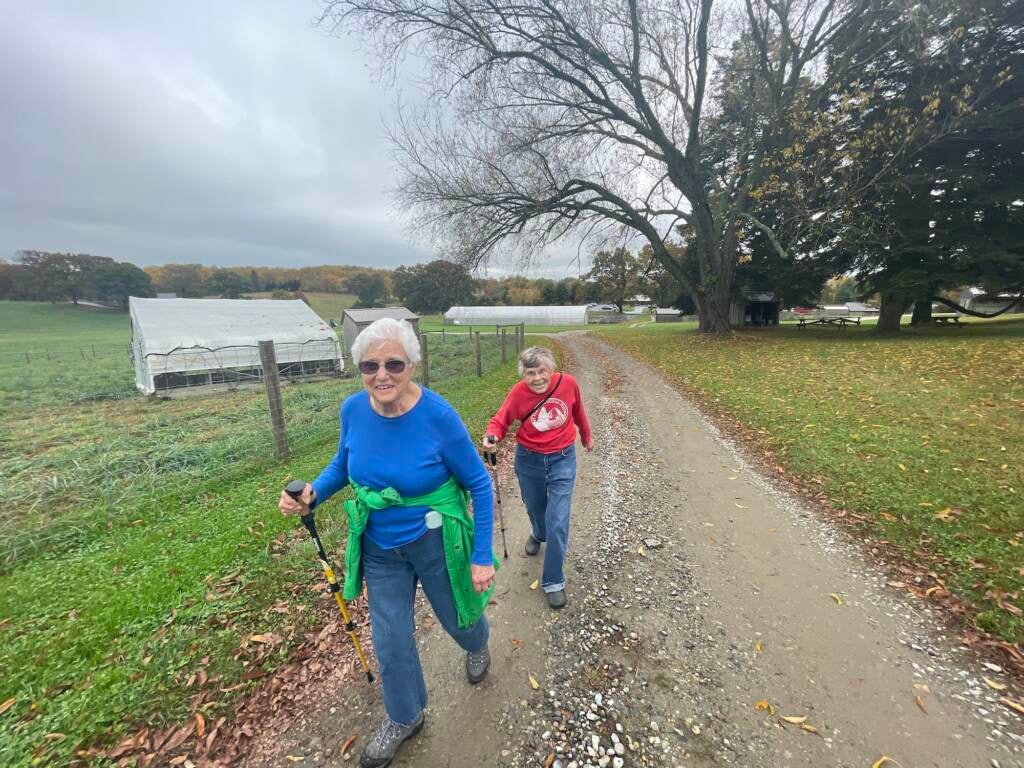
(552, 427)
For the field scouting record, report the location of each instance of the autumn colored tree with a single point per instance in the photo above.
(617, 275)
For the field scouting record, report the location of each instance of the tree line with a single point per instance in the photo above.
(762, 145)
(616, 277)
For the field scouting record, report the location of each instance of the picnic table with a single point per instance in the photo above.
(947, 318)
(840, 322)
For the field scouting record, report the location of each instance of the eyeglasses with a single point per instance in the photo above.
(370, 367)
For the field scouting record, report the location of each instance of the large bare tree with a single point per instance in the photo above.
(551, 117)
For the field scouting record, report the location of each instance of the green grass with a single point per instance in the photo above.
(921, 434)
(327, 305)
(142, 539)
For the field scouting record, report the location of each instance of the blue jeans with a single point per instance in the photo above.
(545, 482)
(391, 576)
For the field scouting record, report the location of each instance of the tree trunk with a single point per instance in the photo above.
(922, 312)
(713, 313)
(892, 309)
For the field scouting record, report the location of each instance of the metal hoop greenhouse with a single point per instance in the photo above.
(549, 315)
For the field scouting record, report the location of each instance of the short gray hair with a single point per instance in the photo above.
(387, 329)
(531, 357)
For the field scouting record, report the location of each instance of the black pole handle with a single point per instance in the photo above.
(295, 489)
(491, 456)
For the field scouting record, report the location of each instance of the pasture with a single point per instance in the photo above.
(918, 437)
(141, 544)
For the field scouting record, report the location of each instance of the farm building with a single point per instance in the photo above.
(981, 300)
(755, 308)
(354, 320)
(548, 315)
(667, 315)
(179, 343)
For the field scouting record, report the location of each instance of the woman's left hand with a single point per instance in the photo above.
(589, 444)
(483, 576)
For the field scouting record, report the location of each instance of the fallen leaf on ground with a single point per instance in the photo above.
(993, 684)
(533, 681)
(267, 639)
(1016, 706)
(922, 687)
(920, 704)
(794, 719)
(516, 642)
(758, 647)
(809, 728)
(740, 506)
(6, 705)
(837, 598)
(295, 758)
(764, 706)
(550, 759)
(347, 745)
(883, 760)
(535, 584)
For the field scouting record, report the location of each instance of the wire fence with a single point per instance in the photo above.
(83, 452)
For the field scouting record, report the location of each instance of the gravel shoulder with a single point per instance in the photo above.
(697, 590)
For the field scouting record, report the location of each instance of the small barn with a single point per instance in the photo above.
(755, 308)
(179, 343)
(354, 320)
(667, 315)
(542, 315)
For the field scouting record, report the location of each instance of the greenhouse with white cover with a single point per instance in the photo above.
(179, 343)
(550, 315)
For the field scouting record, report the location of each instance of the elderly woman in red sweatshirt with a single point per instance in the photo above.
(549, 407)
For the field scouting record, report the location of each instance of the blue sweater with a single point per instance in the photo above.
(413, 453)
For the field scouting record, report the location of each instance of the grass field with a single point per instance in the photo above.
(142, 546)
(328, 305)
(920, 434)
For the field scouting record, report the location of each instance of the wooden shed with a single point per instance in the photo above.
(755, 308)
(354, 320)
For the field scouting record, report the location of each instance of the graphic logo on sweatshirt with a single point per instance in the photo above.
(553, 414)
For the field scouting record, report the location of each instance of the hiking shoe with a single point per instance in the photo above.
(386, 741)
(557, 599)
(532, 546)
(477, 665)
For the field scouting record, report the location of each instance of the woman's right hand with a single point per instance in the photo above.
(489, 442)
(300, 506)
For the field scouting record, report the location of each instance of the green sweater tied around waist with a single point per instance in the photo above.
(451, 501)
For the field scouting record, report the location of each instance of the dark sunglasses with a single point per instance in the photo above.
(372, 366)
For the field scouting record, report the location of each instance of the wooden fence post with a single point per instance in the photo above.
(479, 365)
(522, 336)
(273, 385)
(504, 354)
(425, 362)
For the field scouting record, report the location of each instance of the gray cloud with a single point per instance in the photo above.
(160, 132)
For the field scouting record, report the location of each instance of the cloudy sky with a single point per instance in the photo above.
(194, 132)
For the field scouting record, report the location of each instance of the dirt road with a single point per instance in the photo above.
(697, 592)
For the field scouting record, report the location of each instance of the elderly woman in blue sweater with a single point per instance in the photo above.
(409, 459)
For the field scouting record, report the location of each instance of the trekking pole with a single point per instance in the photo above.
(491, 459)
(295, 489)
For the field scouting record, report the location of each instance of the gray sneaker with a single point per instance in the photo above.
(386, 741)
(477, 665)
(556, 599)
(532, 546)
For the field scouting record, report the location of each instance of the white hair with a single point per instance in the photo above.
(387, 329)
(531, 357)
